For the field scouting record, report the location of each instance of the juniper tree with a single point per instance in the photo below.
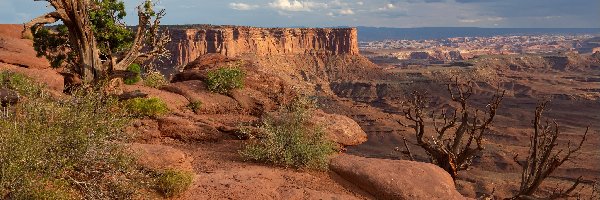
(92, 40)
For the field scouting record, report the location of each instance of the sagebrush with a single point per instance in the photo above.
(225, 79)
(172, 183)
(146, 107)
(288, 140)
(63, 149)
(135, 70)
(155, 80)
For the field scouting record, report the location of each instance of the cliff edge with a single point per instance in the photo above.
(190, 42)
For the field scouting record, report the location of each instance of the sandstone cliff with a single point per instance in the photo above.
(190, 42)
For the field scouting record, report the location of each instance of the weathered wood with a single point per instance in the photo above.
(456, 152)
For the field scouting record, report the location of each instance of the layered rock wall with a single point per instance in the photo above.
(191, 42)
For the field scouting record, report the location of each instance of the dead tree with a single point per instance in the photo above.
(544, 159)
(75, 15)
(453, 152)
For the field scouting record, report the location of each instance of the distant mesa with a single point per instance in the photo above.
(191, 41)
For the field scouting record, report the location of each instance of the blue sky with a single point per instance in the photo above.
(379, 13)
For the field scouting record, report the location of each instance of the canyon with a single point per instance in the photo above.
(365, 98)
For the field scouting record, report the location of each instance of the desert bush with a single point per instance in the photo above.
(225, 79)
(19, 83)
(136, 70)
(155, 80)
(195, 105)
(65, 149)
(288, 140)
(146, 107)
(172, 183)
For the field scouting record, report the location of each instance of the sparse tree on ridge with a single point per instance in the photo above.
(92, 40)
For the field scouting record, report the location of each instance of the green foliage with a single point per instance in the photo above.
(51, 149)
(20, 83)
(225, 79)
(172, 183)
(142, 107)
(53, 43)
(195, 105)
(111, 33)
(136, 70)
(155, 80)
(289, 140)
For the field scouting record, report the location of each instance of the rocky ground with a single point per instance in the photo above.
(358, 100)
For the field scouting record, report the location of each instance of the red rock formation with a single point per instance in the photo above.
(596, 50)
(192, 42)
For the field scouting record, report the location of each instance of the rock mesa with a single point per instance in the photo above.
(190, 42)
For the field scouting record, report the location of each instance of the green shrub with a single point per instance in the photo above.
(172, 183)
(23, 85)
(136, 69)
(143, 107)
(225, 79)
(51, 148)
(155, 80)
(195, 105)
(288, 140)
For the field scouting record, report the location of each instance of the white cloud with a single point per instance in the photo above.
(360, 3)
(347, 11)
(495, 19)
(483, 19)
(388, 6)
(469, 20)
(242, 6)
(295, 5)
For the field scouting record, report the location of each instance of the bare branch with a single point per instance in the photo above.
(457, 151)
(543, 160)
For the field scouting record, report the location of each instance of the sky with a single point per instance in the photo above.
(375, 13)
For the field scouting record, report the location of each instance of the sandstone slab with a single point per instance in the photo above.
(396, 179)
(260, 183)
(160, 157)
(184, 129)
(340, 129)
(174, 101)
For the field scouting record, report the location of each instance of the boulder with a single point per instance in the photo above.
(212, 103)
(183, 129)
(49, 77)
(8, 97)
(396, 179)
(252, 101)
(17, 51)
(174, 101)
(340, 129)
(160, 157)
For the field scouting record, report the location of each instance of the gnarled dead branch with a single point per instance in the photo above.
(544, 159)
(453, 152)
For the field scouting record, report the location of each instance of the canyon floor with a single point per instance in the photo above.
(572, 90)
(373, 95)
